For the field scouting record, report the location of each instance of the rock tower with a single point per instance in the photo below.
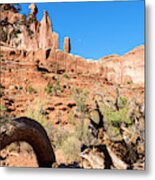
(67, 46)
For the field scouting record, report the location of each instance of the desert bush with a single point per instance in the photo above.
(37, 112)
(116, 117)
(59, 135)
(81, 131)
(71, 149)
(54, 88)
(66, 76)
(57, 87)
(3, 108)
(31, 20)
(31, 90)
(48, 89)
(114, 131)
(115, 110)
(113, 118)
(71, 118)
(81, 127)
(69, 141)
(122, 101)
(80, 96)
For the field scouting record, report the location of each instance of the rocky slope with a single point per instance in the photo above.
(40, 81)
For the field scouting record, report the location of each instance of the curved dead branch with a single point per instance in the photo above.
(30, 131)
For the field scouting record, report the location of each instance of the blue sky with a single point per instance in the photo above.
(96, 29)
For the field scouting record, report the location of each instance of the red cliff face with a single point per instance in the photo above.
(134, 62)
(127, 69)
(124, 69)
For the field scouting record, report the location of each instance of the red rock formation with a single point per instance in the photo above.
(38, 35)
(43, 46)
(45, 39)
(67, 45)
(134, 65)
(124, 69)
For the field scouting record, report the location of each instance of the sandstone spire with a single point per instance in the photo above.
(45, 40)
(67, 45)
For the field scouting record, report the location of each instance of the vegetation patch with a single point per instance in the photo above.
(31, 90)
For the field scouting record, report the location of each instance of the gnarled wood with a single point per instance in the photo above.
(30, 131)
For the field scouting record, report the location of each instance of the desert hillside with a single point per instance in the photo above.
(62, 92)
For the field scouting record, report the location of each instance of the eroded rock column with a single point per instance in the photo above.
(67, 46)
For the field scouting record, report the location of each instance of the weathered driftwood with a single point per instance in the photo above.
(30, 131)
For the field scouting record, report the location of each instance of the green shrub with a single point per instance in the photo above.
(53, 88)
(80, 96)
(116, 117)
(113, 117)
(122, 101)
(57, 88)
(48, 89)
(31, 90)
(66, 76)
(114, 133)
(3, 108)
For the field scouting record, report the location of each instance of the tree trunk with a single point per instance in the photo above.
(30, 131)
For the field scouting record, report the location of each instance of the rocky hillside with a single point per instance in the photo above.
(60, 89)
